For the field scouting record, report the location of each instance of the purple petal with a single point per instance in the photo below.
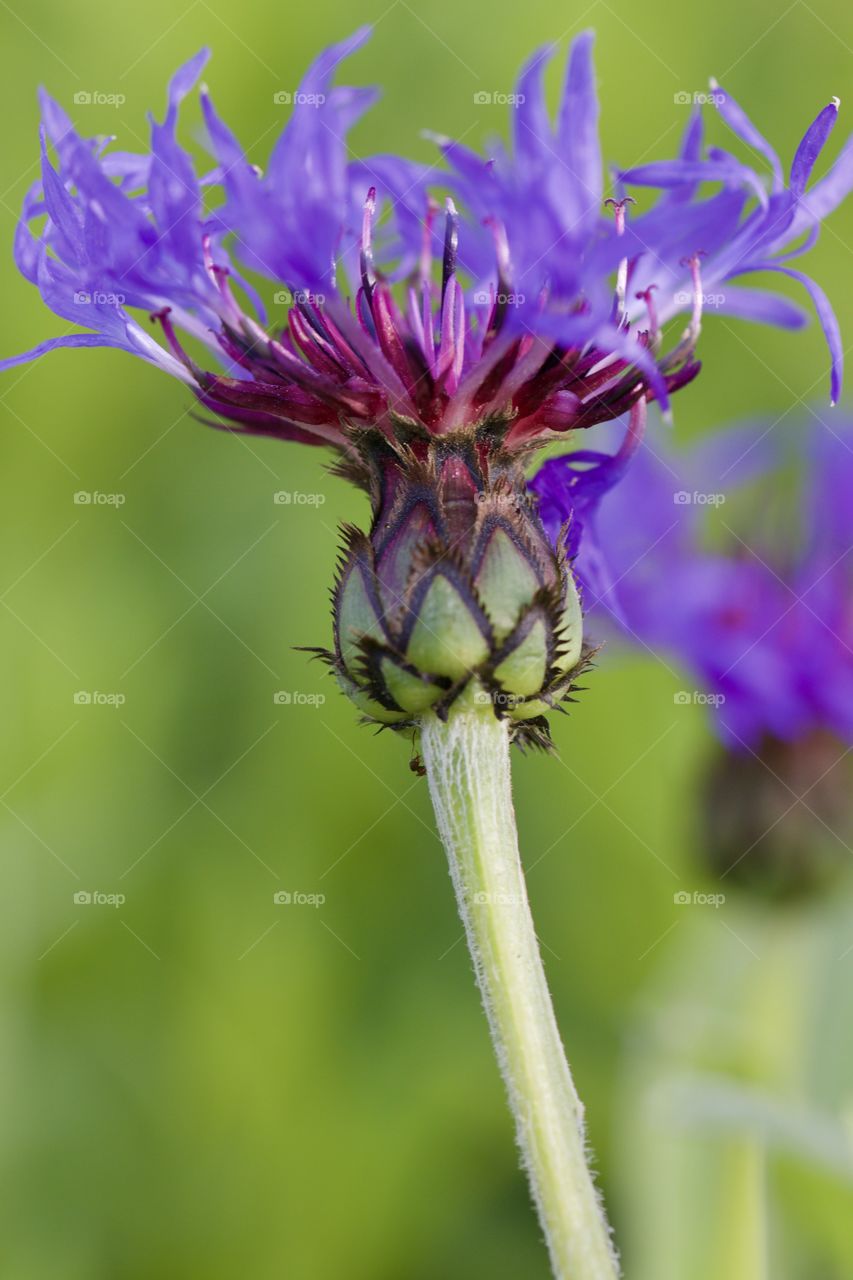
(827, 194)
(303, 130)
(740, 124)
(811, 147)
(27, 248)
(173, 188)
(691, 150)
(130, 166)
(53, 344)
(62, 210)
(184, 80)
(674, 173)
(322, 69)
(761, 307)
(530, 122)
(225, 146)
(577, 125)
(57, 124)
(828, 323)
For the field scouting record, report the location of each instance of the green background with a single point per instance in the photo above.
(201, 1083)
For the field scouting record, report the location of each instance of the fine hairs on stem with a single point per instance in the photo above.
(467, 763)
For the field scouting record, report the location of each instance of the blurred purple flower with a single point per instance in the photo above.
(546, 309)
(758, 610)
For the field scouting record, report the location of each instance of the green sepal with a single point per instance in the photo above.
(447, 638)
(369, 706)
(356, 615)
(569, 648)
(522, 671)
(413, 692)
(506, 581)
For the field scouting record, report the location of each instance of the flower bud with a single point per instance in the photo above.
(778, 820)
(457, 582)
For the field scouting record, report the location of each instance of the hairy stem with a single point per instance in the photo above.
(467, 763)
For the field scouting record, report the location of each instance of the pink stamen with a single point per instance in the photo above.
(619, 216)
(451, 244)
(647, 296)
(446, 345)
(425, 269)
(619, 207)
(691, 333)
(368, 275)
(171, 336)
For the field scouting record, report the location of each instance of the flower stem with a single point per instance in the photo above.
(467, 764)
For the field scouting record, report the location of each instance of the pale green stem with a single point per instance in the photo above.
(743, 1243)
(467, 764)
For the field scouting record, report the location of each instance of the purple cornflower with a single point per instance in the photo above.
(434, 349)
(758, 610)
(527, 299)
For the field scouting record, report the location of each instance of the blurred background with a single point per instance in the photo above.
(199, 1081)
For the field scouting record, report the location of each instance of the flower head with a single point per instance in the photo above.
(527, 296)
(433, 346)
